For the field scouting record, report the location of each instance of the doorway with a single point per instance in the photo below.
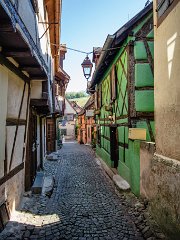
(114, 146)
(31, 156)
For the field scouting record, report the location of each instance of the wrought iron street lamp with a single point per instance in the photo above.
(87, 67)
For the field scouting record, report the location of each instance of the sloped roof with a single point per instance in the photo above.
(89, 102)
(75, 106)
(71, 108)
(114, 41)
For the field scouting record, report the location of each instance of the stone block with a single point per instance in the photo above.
(38, 183)
(52, 157)
(122, 184)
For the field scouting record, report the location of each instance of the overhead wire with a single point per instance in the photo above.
(88, 53)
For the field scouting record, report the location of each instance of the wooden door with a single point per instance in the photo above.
(114, 146)
(50, 135)
(31, 156)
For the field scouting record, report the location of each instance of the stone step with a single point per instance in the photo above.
(48, 186)
(38, 183)
(52, 157)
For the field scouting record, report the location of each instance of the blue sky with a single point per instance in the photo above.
(85, 24)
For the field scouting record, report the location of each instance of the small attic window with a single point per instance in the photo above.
(164, 7)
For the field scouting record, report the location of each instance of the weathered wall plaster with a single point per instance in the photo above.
(164, 195)
(14, 189)
(147, 150)
(167, 86)
(3, 112)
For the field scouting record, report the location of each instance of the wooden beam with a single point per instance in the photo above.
(124, 145)
(149, 56)
(6, 27)
(12, 173)
(15, 122)
(144, 88)
(145, 114)
(29, 67)
(38, 77)
(131, 81)
(17, 53)
(4, 61)
(150, 130)
(17, 126)
(39, 102)
(26, 126)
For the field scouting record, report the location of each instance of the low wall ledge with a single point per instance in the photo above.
(167, 161)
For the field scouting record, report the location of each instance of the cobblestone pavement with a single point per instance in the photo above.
(84, 204)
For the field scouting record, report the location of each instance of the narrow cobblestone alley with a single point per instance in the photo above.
(84, 204)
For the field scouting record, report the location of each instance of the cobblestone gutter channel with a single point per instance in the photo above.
(84, 205)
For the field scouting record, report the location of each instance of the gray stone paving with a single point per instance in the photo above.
(84, 204)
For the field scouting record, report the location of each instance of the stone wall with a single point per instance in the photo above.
(160, 184)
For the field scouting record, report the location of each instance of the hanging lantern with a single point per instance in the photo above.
(87, 67)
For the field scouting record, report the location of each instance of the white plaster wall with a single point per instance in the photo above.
(15, 91)
(167, 84)
(14, 189)
(45, 40)
(28, 17)
(36, 89)
(18, 150)
(3, 113)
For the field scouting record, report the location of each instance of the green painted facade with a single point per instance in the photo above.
(134, 103)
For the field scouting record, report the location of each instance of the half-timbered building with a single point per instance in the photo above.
(86, 132)
(26, 75)
(124, 96)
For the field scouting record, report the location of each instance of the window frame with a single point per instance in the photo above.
(171, 5)
(113, 83)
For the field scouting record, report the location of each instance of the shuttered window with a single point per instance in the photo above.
(113, 83)
(162, 6)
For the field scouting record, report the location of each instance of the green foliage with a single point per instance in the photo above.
(71, 95)
(80, 101)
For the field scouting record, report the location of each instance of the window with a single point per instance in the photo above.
(113, 83)
(70, 117)
(89, 132)
(98, 97)
(64, 132)
(164, 7)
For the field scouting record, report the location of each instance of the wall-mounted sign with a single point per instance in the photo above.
(137, 133)
(89, 113)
